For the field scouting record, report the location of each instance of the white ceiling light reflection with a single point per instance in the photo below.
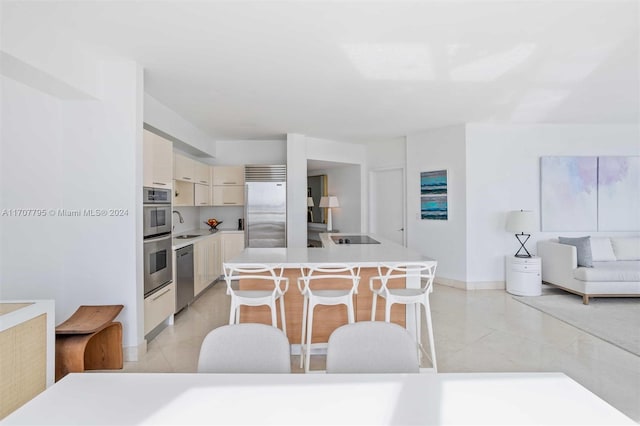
(491, 67)
(391, 61)
(576, 67)
(537, 104)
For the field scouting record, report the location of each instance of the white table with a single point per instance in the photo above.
(524, 275)
(455, 398)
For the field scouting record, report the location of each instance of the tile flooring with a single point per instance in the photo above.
(475, 331)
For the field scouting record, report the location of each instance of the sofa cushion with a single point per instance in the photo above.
(583, 249)
(602, 250)
(622, 270)
(626, 248)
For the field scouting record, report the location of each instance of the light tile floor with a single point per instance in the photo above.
(475, 331)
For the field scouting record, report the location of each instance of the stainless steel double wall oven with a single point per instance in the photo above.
(158, 264)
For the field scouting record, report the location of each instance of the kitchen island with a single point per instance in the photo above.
(328, 318)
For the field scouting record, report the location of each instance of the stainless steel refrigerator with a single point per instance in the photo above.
(265, 215)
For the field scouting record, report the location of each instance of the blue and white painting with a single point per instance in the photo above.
(433, 195)
(569, 193)
(618, 193)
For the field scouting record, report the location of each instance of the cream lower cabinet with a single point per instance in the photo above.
(232, 245)
(206, 262)
(159, 306)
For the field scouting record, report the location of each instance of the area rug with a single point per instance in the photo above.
(615, 320)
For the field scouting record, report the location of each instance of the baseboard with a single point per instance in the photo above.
(471, 285)
(134, 353)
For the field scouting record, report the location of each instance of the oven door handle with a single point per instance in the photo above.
(157, 239)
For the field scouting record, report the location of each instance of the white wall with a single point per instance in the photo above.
(74, 154)
(250, 152)
(177, 129)
(503, 174)
(445, 241)
(345, 183)
(386, 154)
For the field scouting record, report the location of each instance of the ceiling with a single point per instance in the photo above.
(363, 70)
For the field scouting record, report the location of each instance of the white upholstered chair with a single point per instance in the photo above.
(425, 272)
(245, 348)
(372, 347)
(256, 272)
(318, 287)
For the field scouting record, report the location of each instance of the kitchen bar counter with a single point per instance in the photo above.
(328, 318)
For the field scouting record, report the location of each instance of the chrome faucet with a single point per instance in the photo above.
(179, 217)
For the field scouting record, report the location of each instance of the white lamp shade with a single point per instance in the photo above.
(521, 221)
(309, 202)
(329, 201)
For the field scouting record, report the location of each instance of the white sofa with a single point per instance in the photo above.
(615, 271)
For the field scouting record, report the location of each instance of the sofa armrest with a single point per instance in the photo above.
(558, 262)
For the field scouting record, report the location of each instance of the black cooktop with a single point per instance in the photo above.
(354, 239)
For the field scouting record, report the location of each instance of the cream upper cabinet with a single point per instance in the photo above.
(184, 168)
(201, 195)
(228, 175)
(183, 193)
(232, 245)
(202, 173)
(227, 195)
(157, 154)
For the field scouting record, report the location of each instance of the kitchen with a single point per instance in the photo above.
(193, 192)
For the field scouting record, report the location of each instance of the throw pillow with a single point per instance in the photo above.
(583, 249)
(626, 248)
(602, 250)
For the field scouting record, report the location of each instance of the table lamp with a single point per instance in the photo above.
(521, 222)
(329, 202)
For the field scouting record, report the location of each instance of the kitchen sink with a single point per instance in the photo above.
(186, 237)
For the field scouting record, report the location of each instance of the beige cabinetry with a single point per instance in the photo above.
(230, 195)
(227, 185)
(202, 173)
(157, 154)
(184, 168)
(201, 195)
(183, 193)
(232, 245)
(159, 306)
(228, 175)
(206, 262)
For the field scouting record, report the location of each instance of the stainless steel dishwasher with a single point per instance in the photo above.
(184, 277)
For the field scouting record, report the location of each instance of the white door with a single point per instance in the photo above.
(387, 204)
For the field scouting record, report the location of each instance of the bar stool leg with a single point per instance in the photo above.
(373, 307)
(305, 303)
(282, 317)
(432, 347)
(309, 335)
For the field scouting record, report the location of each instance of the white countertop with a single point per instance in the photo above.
(363, 255)
(443, 398)
(203, 233)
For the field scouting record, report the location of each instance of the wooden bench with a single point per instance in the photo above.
(89, 340)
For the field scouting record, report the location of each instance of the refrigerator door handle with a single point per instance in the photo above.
(246, 224)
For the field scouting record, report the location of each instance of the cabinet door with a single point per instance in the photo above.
(203, 174)
(227, 195)
(215, 257)
(183, 168)
(159, 306)
(228, 175)
(233, 244)
(157, 154)
(202, 195)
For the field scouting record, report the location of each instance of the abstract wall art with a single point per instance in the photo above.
(618, 193)
(590, 193)
(433, 195)
(569, 198)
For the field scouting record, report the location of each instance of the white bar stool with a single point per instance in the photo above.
(256, 297)
(310, 285)
(425, 271)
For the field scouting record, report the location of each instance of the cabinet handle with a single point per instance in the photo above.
(159, 183)
(203, 203)
(203, 181)
(229, 183)
(160, 295)
(186, 178)
(229, 202)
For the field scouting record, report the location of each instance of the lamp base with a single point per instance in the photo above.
(329, 224)
(522, 247)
